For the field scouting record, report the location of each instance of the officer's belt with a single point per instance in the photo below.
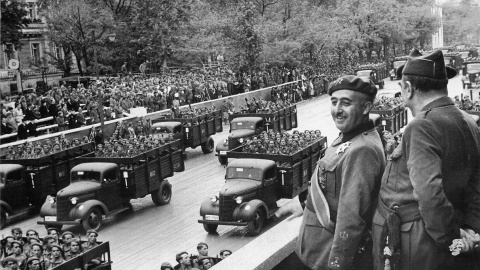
(406, 213)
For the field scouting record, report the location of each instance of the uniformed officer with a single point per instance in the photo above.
(429, 202)
(339, 206)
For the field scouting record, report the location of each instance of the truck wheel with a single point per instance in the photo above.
(3, 219)
(255, 226)
(223, 160)
(210, 228)
(93, 221)
(58, 227)
(207, 147)
(163, 195)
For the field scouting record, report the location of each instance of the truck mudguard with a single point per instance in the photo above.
(221, 147)
(76, 213)
(246, 210)
(5, 207)
(209, 208)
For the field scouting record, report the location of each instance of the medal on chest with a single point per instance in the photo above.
(342, 148)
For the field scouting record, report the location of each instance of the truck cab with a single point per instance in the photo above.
(248, 198)
(376, 76)
(14, 192)
(453, 60)
(471, 72)
(398, 62)
(241, 129)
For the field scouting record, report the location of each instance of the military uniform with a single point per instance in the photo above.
(349, 177)
(433, 184)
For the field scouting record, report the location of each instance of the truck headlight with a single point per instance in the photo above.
(239, 199)
(240, 140)
(51, 199)
(225, 141)
(74, 200)
(214, 198)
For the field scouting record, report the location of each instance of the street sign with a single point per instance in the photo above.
(13, 64)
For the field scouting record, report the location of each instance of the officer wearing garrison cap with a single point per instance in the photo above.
(344, 187)
(428, 212)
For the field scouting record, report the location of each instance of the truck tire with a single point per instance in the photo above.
(3, 219)
(207, 147)
(255, 226)
(93, 220)
(163, 194)
(210, 228)
(223, 160)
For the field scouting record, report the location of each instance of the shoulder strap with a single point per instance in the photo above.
(320, 203)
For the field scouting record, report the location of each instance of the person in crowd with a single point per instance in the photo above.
(338, 210)
(166, 266)
(57, 257)
(10, 263)
(205, 263)
(17, 112)
(17, 253)
(224, 253)
(80, 118)
(66, 236)
(32, 128)
(184, 262)
(33, 263)
(91, 240)
(74, 248)
(48, 242)
(43, 109)
(11, 122)
(427, 215)
(22, 130)
(6, 128)
(17, 234)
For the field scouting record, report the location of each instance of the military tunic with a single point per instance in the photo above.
(433, 182)
(349, 177)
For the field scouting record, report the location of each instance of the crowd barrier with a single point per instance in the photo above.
(238, 100)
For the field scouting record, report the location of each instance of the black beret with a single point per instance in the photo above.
(429, 66)
(353, 83)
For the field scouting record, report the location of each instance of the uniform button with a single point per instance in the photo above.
(309, 183)
(365, 133)
(323, 169)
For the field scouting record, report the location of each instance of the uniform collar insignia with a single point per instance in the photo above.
(343, 147)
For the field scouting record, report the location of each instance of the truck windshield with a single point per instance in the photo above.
(447, 60)
(242, 173)
(473, 68)
(397, 64)
(464, 54)
(243, 125)
(86, 176)
(364, 73)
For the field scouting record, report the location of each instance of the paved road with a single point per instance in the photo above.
(151, 235)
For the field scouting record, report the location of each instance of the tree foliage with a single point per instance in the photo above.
(13, 20)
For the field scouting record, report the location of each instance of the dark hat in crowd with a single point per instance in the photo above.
(353, 83)
(6, 260)
(430, 66)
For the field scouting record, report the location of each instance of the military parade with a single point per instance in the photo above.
(204, 134)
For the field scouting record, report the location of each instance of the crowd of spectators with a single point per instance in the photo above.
(200, 261)
(32, 252)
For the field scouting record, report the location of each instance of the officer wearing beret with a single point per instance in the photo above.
(429, 194)
(344, 187)
(10, 263)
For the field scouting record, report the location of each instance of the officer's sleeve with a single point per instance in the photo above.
(423, 153)
(361, 173)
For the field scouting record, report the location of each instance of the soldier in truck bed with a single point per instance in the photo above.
(335, 231)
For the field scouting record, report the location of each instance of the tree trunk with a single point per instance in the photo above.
(79, 60)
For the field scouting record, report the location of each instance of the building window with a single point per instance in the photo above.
(35, 53)
(57, 51)
(32, 10)
(9, 53)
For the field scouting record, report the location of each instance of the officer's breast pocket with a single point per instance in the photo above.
(328, 179)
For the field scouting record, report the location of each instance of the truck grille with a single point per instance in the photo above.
(63, 208)
(227, 205)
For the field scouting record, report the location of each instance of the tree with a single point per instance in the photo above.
(13, 20)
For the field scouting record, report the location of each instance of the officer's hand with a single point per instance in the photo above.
(467, 240)
(475, 237)
(292, 208)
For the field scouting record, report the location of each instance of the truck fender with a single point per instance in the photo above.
(209, 208)
(48, 208)
(246, 210)
(221, 147)
(4, 206)
(79, 212)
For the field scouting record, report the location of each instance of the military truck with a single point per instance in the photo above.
(471, 72)
(25, 183)
(192, 132)
(101, 252)
(104, 186)
(396, 63)
(453, 60)
(244, 126)
(375, 72)
(255, 182)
